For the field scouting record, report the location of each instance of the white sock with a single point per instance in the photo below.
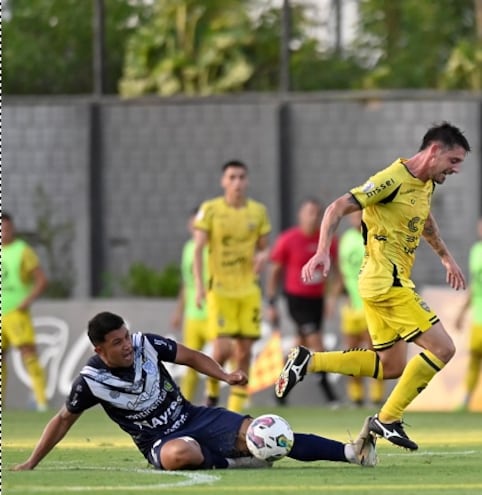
(350, 453)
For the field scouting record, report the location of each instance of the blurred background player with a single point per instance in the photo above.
(23, 281)
(354, 328)
(474, 301)
(194, 320)
(235, 228)
(306, 302)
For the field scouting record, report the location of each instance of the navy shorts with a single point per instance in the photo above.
(213, 427)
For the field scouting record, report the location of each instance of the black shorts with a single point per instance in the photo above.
(306, 312)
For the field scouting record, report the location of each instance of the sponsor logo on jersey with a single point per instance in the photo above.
(370, 189)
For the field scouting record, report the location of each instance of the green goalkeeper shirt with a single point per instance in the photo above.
(475, 269)
(350, 254)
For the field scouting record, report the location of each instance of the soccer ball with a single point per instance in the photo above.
(269, 437)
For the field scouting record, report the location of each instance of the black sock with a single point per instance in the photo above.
(309, 447)
(212, 460)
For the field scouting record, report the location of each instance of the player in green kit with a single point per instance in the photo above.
(23, 281)
(474, 301)
(354, 328)
(196, 332)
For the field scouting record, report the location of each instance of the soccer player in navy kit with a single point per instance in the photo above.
(128, 379)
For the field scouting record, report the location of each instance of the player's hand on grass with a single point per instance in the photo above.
(24, 466)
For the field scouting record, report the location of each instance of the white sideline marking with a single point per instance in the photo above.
(429, 452)
(190, 479)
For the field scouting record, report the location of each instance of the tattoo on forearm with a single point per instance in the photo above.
(432, 236)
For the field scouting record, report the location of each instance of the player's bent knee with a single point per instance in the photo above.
(181, 453)
(447, 353)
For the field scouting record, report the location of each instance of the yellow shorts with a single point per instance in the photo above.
(195, 333)
(475, 343)
(353, 321)
(17, 329)
(399, 314)
(238, 317)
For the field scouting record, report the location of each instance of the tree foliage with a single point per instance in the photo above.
(221, 46)
(312, 67)
(408, 44)
(189, 47)
(47, 45)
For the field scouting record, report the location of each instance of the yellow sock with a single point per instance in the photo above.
(212, 388)
(37, 377)
(415, 377)
(473, 370)
(354, 362)
(189, 383)
(237, 398)
(355, 389)
(377, 391)
(4, 377)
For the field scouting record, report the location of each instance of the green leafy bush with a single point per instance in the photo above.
(142, 280)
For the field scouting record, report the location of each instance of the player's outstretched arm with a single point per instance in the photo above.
(334, 212)
(431, 233)
(55, 430)
(207, 366)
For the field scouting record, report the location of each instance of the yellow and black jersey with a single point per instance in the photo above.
(233, 237)
(395, 207)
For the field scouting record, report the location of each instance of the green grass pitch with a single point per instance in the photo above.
(97, 458)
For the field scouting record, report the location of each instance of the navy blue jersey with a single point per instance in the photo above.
(143, 399)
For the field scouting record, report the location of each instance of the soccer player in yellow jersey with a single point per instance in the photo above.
(396, 213)
(23, 280)
(235, 229)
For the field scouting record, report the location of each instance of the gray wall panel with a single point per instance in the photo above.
(163, 156)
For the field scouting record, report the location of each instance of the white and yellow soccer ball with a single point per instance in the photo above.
(269, 437)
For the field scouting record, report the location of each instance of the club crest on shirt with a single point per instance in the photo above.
(149, 367)
(368, 186)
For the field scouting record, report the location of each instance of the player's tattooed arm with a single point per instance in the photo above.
(342, 206)
(455, 278)
(431, 234)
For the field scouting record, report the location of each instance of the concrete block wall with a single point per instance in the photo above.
(161, 157)
(45, 145)
(162, 160)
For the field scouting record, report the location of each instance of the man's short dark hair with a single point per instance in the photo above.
(311, 200)
(193, 211)
(447, 134)
(234, 163)
(102, 324)
(7, 216)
